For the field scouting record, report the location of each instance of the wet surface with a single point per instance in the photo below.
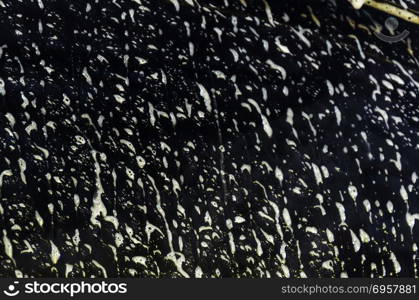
(174, 139)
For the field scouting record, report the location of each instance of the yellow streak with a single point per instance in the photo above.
(395, 11)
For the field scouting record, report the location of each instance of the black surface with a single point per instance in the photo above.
(178, 167)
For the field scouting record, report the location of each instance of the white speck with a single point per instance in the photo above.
(338, 115)
(55, 253)
(140, 260)
(68, 270)
(229, 224)
(341, 210)
(290, 117)
(388, 84)
(358, 43)
(330, 88)
(2, 85)
(396, 264)
(87, 76)
(317, 174)
(41, 5)
(105, 275)
(285, 90)
(279, 175)
(383, 114)
(311, 230)
(269, 13)
(300, 34)
(235, 55)
(278, 68)
(266, 126)
(198, 272)
(239, 219)
(8, 248)
(119, 239)
(389, 206)
(22, 166)
(353, 192)
(119, 99)
(397, 162)
(355, 241)
(176, 4)
(330, 236)
(365, 238)
(281, 47)
(411, 220)
(80, 140)
(403, 193)
(287, 217)
(328, 265)
(357, 4)
(204, 94)
(129, 173)
(231, 242)
(98, 208)
(39, 219)
(367, 205)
